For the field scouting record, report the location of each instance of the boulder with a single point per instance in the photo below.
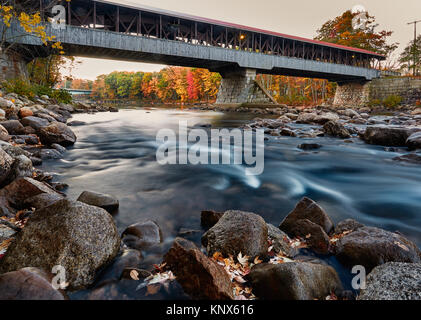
(307, 209)
(235, 232)
(200, 276)
(74, 235)
(414, 141)
(14, 127)
(42, 200)
(57, 132)
(351, 113)
(22, 167)
(142, 235)
(47, 154)
(336, 129)
(316, 238)
(34, 122)
(25, 112)
(371, 247)
(387, 136)
(6, 165)
(293, 281)
(309, 146)
(326, 117)
(347, 225)
(4, 134)
(209, 218)
(281, 241)
(306, 118)
(393, 281)
(28, 284)
(104, 201)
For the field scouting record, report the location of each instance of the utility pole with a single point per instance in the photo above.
(415, 44)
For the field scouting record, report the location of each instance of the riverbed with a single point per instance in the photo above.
(116, 154)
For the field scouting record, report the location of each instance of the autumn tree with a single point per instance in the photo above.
(340, 30)
(407, 56)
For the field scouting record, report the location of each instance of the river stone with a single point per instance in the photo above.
(42, 200)
(28, 284)
(281, 241)
(6, 164)
(2, 115)
(4, 134)
(316, 238)
(347, 225)
(142, 235)
(393, 281)
(309, 146)
(326, 117)
(14, 127)
(409, 158)
(25, 112)
(209, 218)
(79, 237)
(293, 281)
(57, 132)
(306, 118)
(22, 167)
(336, 129)
(414, 141)
(104, 201)
(6, 233)
(307, 209)
(129, 259)
(34, 122)
(200, 276)
(386, 136)
(370, 247)
(15, 151)
(238, 231)
(5, 104)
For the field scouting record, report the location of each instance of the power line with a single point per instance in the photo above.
(415, 44)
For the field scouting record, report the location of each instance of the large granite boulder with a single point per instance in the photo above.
(293, 281)
(235, 232)
(387, 136)
(57, 132)
(34, 122)
(393, 281)
(414, 141)
(14, 127)
(371, 247)
(310, 210)
(200, 276)
(74, 235)
(28, 284)
(336, 129)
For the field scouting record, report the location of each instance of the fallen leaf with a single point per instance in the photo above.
(257, 261)
(134, 275)
(243, 260)
(401, 246)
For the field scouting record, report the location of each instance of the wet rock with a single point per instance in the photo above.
(25, 112)
(57, 132)
(307, 209)
(293, 281)
(129, 259)
(235, 232)
(14, 151)
(347, 225)
(316, 238)
(28, 284)
(335, 129)
(6, 232)
(292, 116)
(14, 127)
(326, 117)
(6, 164)
(414, 141)
(22, 167)
(281, 241)
(76, 123)
(351, 113)
(34, 122)
(306, 118)
(2, 114)
(309, 146)
(142, 235)
(371, 247)
(105, 201)
(209, 218)
(409, 158)
(47, 154)
(393, 281)
(79, 237)
(42, 200)
(386, 136)
(36, 161)
(4, 134)
(59, 148)
(200, 276)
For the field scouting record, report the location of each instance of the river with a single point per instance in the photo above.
(116, 154)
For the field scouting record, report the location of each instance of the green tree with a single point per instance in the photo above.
(408, 54)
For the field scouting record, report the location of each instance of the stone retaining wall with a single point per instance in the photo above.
(12, 66)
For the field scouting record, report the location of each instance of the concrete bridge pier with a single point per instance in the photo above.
(353, 94)
(239, 87)
(12, 66)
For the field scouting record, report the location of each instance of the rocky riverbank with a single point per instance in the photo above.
(241, 256)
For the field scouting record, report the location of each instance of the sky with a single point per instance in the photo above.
(299, 18)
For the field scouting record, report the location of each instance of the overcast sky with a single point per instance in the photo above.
(295, 17)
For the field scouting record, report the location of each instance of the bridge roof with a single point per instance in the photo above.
(237, 26)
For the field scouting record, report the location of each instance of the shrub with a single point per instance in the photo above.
(392, 101)
(374, 103)
(62, 96)
(41, 90)
(20, 87)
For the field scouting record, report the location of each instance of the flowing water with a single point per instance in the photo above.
(116, 154)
